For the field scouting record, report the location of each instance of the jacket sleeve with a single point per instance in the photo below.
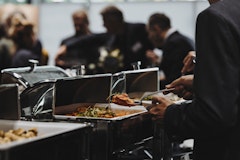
(216, 82)
(175, 50)
(93, 40)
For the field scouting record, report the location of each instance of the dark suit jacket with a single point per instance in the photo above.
(23, 55)
(175, 49)
(133, 43)
(5, 54)
(77, 55)
(213, 118)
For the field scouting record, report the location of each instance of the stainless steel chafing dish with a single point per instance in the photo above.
(28, 76)
(54, 141)
(35, 85)
(109, 135)
(136, 82)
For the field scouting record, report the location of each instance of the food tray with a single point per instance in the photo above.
(61, 111)
(48, 144)
(111, 134)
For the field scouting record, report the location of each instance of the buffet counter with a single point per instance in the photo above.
(126, 131)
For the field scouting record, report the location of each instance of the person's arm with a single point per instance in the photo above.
(189, 63)
(88, 41)
(61, 52)
(91, 40)
(182, 87)
(154, 56)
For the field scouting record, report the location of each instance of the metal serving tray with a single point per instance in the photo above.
(109, 134)
(61, 112)
(35, 85)
(55, 141)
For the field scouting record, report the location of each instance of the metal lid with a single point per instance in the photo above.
(83, 89)
(137, 82)
(27, 76)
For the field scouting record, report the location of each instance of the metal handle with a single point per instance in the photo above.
(136, 65)
(33, 64)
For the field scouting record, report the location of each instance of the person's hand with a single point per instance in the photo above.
(189, 62)
(183, 87)
(154, 58)
(61, 51)
(158, 107)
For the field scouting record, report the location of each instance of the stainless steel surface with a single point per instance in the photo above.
(9, 102)
(50, 143)
(109, 135)
(83, 89)
(45, 130)
(35, 87)
(27, 76)
(136, 82)
(36, 101)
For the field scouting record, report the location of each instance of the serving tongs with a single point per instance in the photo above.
(152, 93)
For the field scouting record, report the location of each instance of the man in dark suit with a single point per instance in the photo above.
(174, 45)
(212, 118)
(124, 43)
(78, 55)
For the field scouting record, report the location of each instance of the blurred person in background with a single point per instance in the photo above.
(18, 17)
(123, 44)
(23, 36)
(131, 39)
(173, 45)
(6, 48)
(78, 55)
(212, 118)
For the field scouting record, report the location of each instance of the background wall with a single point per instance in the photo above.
(55, 21)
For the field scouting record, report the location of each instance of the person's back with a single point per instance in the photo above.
(5, 53)
(6, 49)
(15, 18)
(212, 118)
(174, 45)
(217, 68)
(22, 34)
(137, 43)
(131, 39)
(174, 50)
